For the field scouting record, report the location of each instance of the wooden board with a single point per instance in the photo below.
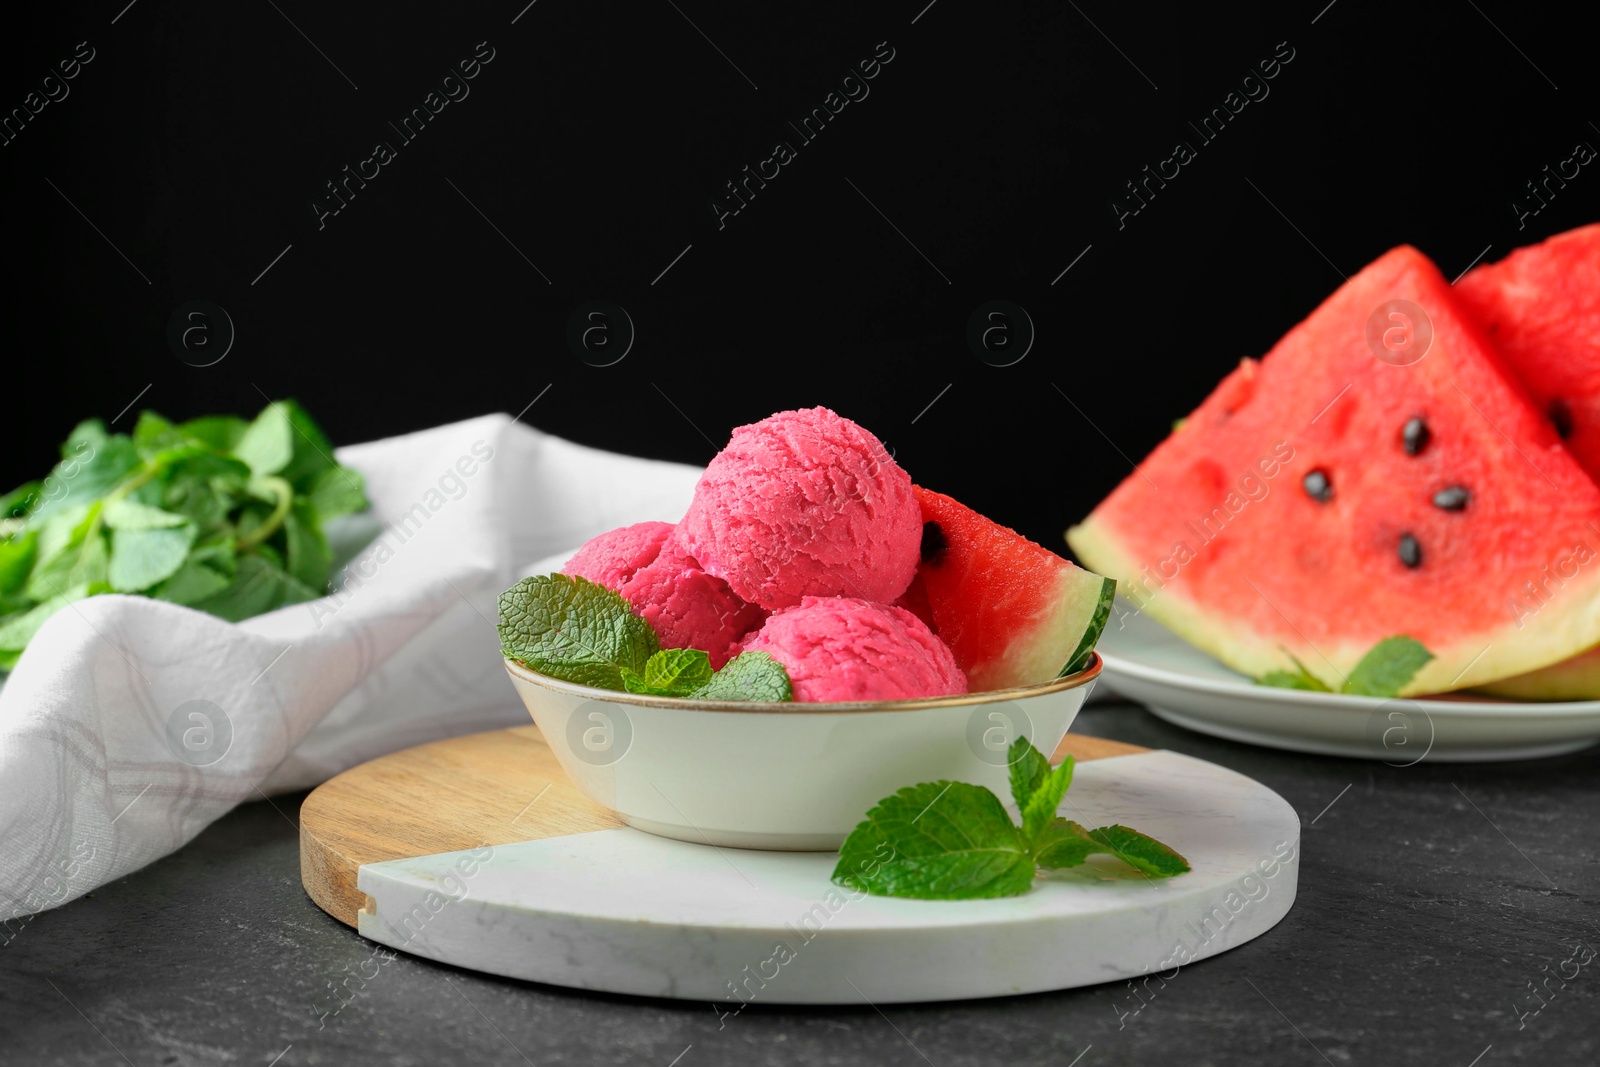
(463, 793)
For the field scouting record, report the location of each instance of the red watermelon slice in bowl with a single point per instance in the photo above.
(1370, 476)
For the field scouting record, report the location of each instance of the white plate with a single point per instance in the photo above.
(1180, 683)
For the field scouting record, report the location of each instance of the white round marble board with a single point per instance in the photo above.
(556, 890)
(1149, 664)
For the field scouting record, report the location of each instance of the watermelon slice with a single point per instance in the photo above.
(1577, 678)
(1541, 308)
(1013, 612)
(1324, 498)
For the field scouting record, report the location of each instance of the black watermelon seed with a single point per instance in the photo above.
(1415, 436)
(1561, 417)
(933, 544)
(1410, 551)
(1453, 498)
(1317, 486)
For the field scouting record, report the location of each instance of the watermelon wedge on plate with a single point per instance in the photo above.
(1541, 307)
(1377, 473)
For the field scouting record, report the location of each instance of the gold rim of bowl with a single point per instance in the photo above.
(993, 696)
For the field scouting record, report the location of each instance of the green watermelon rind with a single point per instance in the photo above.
(1091, 636)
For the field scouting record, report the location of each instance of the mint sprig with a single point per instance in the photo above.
(1384, 671)
(573, 629)
(221, 514)
(955, 841)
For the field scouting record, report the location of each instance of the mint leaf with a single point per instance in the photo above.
(1063, 843)
(285, 441)
(937, 841)
(671, 672)
(748, 676)
(1299, 678)
(337, 491)
(1041, 807)
(575, 630)
(208, 571)
(17, 503)
(1384, 671)
(153, 435)
(1387, 668)
(18, 630)
(17, 555)
(954, 841)
(129, 515)
(268, 445)
(221, 432)
(1140, 851)
(260, 585)
(143, 556)
(307, 553)
(1028, 769)
(66, 550)
(90, 467)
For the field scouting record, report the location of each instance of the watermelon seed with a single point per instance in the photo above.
(1410, 551)
(1318, 487)
(1416, 435)
(1561, 416)
(933, 543)
(1453, 498)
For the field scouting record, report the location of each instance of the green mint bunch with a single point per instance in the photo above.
(1387, 668)
(570, 628)
(956, 841)
(220, 514)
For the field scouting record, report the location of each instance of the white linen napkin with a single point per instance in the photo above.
(131, 724)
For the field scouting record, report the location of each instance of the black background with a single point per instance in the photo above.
(995, 141)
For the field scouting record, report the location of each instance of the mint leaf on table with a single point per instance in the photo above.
(173, 511)
(572, 629)
(955, 841)
(748, 676)
(937, 841)
(1387, 668)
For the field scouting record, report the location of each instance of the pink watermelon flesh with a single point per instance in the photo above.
(1013, 612)
(1323, 499)
(1541, 308)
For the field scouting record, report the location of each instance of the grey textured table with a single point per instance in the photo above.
(1432, 900)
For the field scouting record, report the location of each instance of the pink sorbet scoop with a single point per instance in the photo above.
(686, 607)
(805, 503)
(844, 648)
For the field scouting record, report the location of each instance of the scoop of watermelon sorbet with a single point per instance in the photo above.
(616, 556)
(686, 607)
(805, 503)
(845, 648)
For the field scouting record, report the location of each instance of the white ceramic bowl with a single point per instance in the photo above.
(783, 776)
